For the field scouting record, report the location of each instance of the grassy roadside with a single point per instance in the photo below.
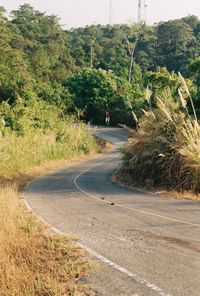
(125, 179)
(32, 260)
(165, 154)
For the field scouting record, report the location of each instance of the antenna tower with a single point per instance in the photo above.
(110, 12)
(142, 11)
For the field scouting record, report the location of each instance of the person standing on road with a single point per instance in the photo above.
(107, 119)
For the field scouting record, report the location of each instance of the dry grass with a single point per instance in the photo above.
(126, 180)
(180, 195)
(19, 153)
(33, 261)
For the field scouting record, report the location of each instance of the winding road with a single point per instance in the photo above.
(146, 244)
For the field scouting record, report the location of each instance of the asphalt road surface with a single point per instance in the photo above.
(146, 244)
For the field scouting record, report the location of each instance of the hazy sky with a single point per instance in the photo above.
(76, 13)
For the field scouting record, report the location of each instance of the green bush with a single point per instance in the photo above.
(33, 132)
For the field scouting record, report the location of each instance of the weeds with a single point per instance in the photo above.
(33, 262)
(18, 153)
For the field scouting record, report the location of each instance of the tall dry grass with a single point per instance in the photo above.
(18, 153)
(32, 260)
(166, 151)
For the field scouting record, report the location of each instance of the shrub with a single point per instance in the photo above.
(33, 132)
(166, 151)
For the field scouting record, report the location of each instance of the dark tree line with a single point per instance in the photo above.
(87, 69)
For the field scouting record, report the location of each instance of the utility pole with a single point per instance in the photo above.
(142, 11)
(91, 55)
(131, 50)
(110, 12)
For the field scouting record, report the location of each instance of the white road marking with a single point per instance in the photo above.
(126, 207)
(101, 258)
(123, 270)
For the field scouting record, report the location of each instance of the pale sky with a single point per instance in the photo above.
(79, 13)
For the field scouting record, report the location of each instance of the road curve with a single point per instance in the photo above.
(147, 245)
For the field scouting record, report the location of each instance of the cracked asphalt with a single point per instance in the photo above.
(146, 244)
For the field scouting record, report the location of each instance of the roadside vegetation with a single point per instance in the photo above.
(33, 261)
(36, 132)
(165, 153)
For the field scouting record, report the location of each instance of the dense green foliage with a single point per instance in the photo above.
(35, 125)
(97, 91)
(168, 44)
(33, 57)
(94, 69)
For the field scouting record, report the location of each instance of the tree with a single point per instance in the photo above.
(176, 44)
(146, 48)
(193, 71)
(14, 74)
(97, 91)
(192, 21)
(44, 44)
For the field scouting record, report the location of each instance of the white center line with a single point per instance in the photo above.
(126, 207)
